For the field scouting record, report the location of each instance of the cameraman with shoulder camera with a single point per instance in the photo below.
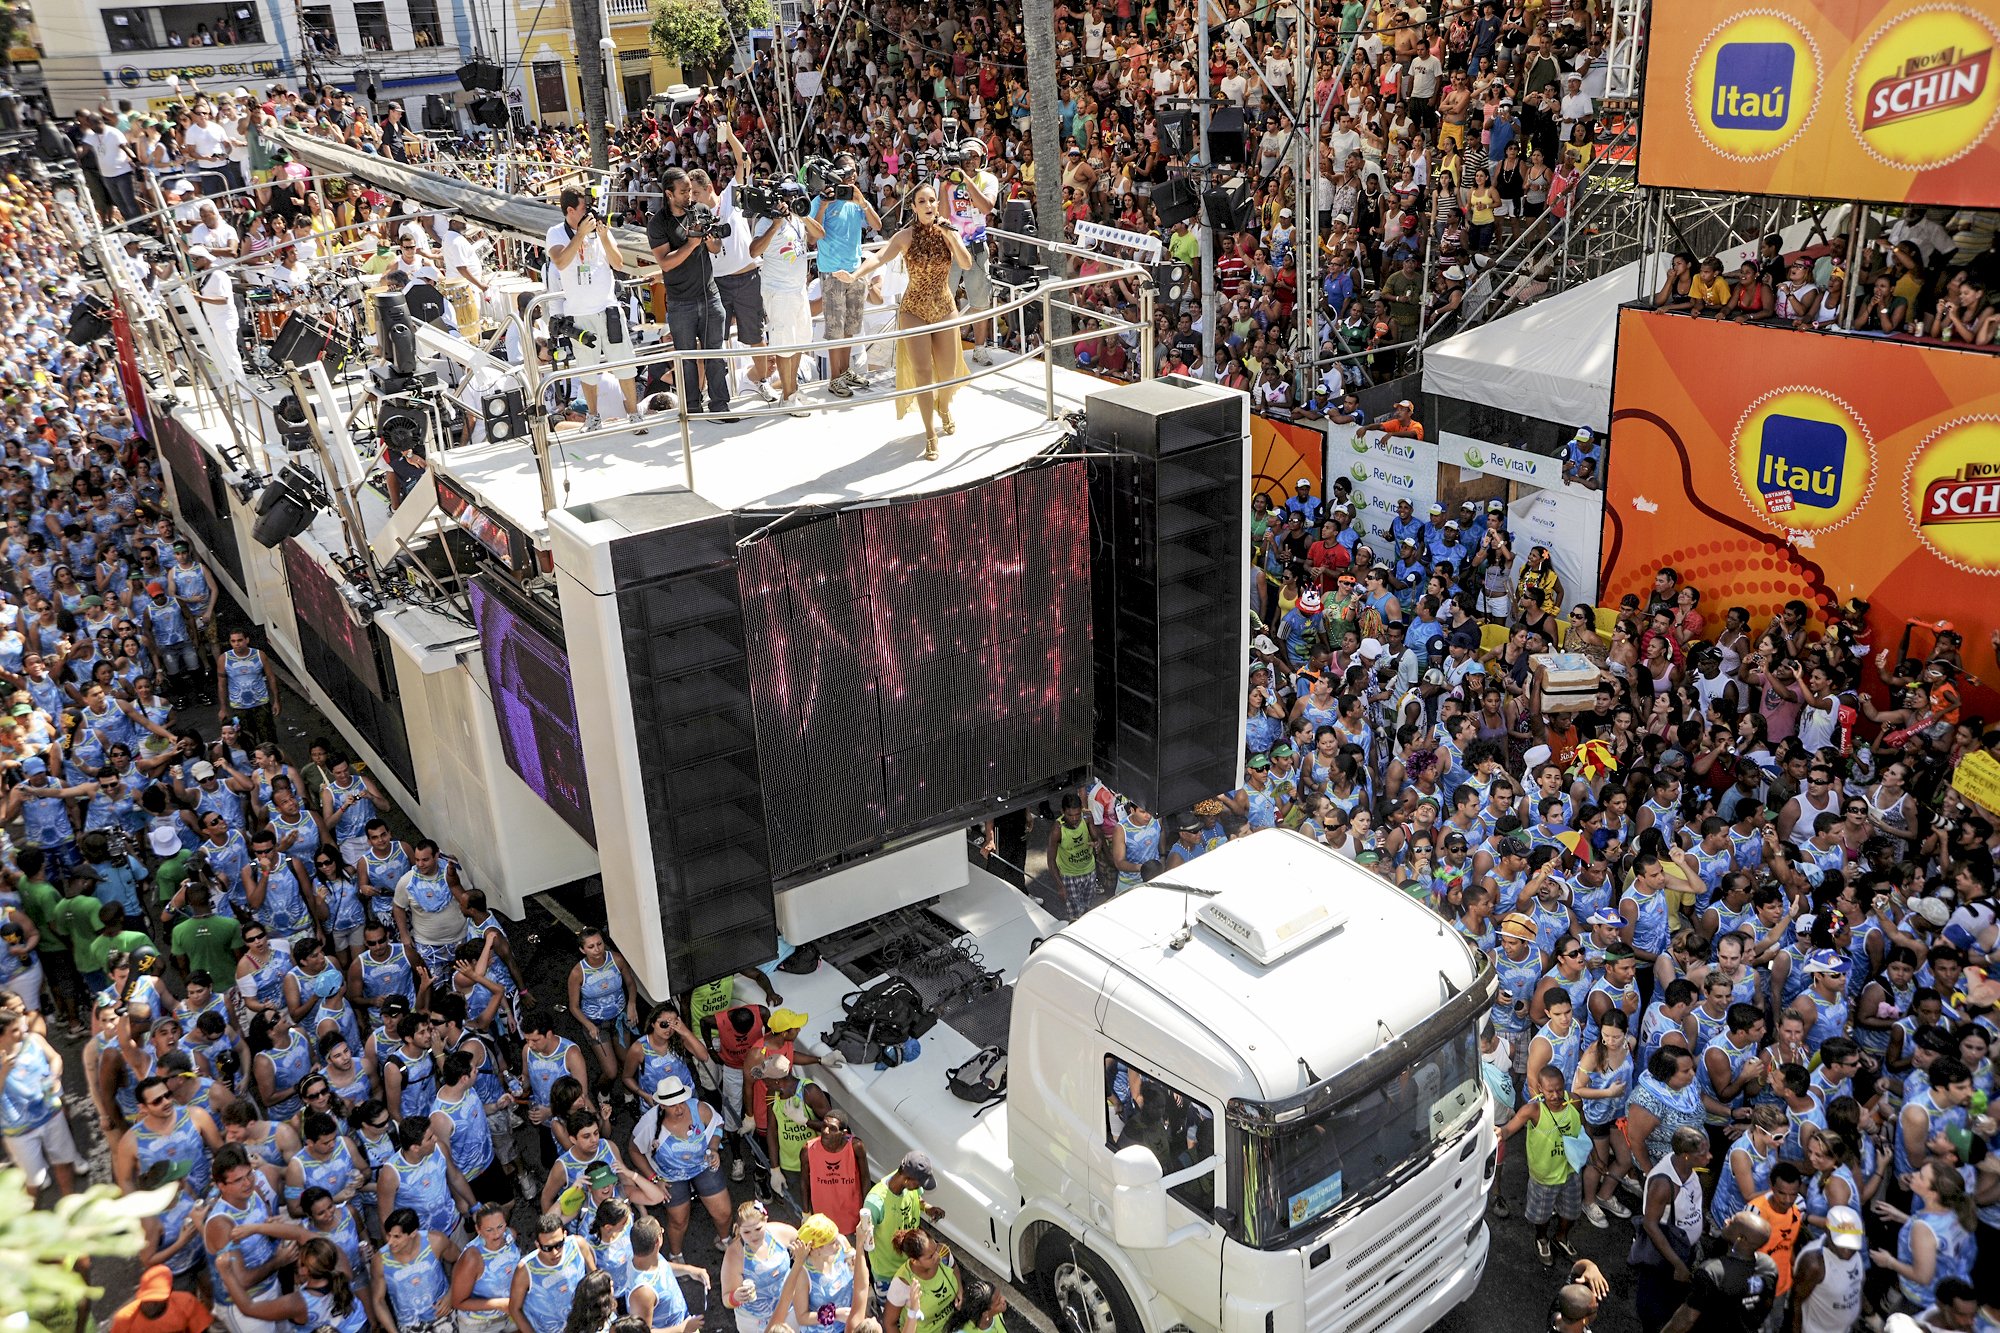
(684, 239)
(784, 246)
(583, 259)
(738, 271)
(843, 211)
(969, 193)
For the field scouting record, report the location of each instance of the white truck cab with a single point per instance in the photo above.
(1245, 1097)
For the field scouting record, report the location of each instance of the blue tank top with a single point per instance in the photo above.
(341, 899)
(419, 1080)
(768, 1268)
(1736, 1055)
(252, 1250)
(388, 976)
(1606, 1110)
(416, 1286)
(306, 832)
(331, 1174)
(544, 1070)
(175, 1221)
(679, 1159)
(1816, 1201)
(224, 802)
(602, 991)
(432, 892)
(353, 821)
(1649, 933)
(320, 1312)
(669, 1306)
(614, 1256)
(551, 1286)
(182, 1142)
(496, 1268)
(1518, 980)
(425, 1186)
(1142, 844)
(656, 1065)
(828, 1293)
(290, 1064)
(496, 967)
(1955, 1248)
(243, 677)
(284, 911)
(1602, 987)
(1729, 1198)
(227, 859)
(45, 819)
(1577, 990)
(1564, 1051)
(471, 1136)
(1830, 1019)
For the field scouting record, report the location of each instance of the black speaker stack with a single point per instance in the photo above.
(480, 75)
(689, 668)
(1168, 598)
(1175, 201)
(303, 339)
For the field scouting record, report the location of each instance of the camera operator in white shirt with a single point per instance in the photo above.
(583, 264)
(738, 267)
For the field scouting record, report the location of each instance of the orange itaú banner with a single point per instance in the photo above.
(1771, 464)
(1882, 100)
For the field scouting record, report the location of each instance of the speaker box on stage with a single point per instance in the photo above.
(490, 111)
(1177, 133)
(1166, 520)
(303, 339)
(1225, 134)
(1175, 201)
(1230, 208)
(89, 320)
(437, 113)
(687, 659)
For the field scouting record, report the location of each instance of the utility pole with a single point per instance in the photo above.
(1045, 131)
(587, 29)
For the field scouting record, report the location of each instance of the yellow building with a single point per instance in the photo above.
(546, 77)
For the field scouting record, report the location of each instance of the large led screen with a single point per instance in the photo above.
(535, 705)
(916, 661)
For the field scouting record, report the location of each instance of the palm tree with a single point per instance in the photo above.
(1045, 131)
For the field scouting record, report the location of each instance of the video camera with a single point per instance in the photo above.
(700, 223)
(827, 179)
(775, 199)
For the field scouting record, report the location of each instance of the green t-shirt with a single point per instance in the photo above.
(1184, 246)
(210, 944)
(90, 958)
(890, 1213)
(77, 921)
(40, 899)
(170, 874)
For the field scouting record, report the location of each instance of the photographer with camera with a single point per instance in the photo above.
(784, 246)
(685, 240)
(583, 264)
(738, 275)
(970, 192)
(842, 212)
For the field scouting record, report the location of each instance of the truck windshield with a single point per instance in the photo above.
(1299, 1175)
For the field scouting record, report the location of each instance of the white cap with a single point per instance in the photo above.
(1371, 649)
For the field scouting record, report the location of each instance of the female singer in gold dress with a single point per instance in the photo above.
(930, 246)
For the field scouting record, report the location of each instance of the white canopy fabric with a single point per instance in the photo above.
(1551, 360)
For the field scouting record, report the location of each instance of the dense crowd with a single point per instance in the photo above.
(1740, 918)
(305, 1026)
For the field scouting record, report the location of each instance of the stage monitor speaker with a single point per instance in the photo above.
(1175, 201)
(490, 111)
(688, 663)
(1166, 517)
(1177, 133)
(1225, 135)
(304, 339)
(89, 320)
(1018, 216)
(479, 75)
(437, 113)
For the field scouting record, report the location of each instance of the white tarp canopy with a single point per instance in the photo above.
(1550, 361)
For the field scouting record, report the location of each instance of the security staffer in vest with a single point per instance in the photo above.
(694, 305)
(739, 275)
(797, 1108)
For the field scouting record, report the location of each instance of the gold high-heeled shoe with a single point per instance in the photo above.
(930, 446)
(945, 424)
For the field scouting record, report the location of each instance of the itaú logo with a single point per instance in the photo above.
(1803, 459)
(1928, 84)
(1753, 86)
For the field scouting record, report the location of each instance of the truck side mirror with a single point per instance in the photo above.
(1138, 1200)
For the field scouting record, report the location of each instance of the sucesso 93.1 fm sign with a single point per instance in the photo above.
(1868, 99)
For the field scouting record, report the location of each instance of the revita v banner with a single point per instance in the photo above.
(1839, 99)
(1768, 464)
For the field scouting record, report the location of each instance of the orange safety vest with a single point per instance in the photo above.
(836, 1184)
(1785, 1229)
